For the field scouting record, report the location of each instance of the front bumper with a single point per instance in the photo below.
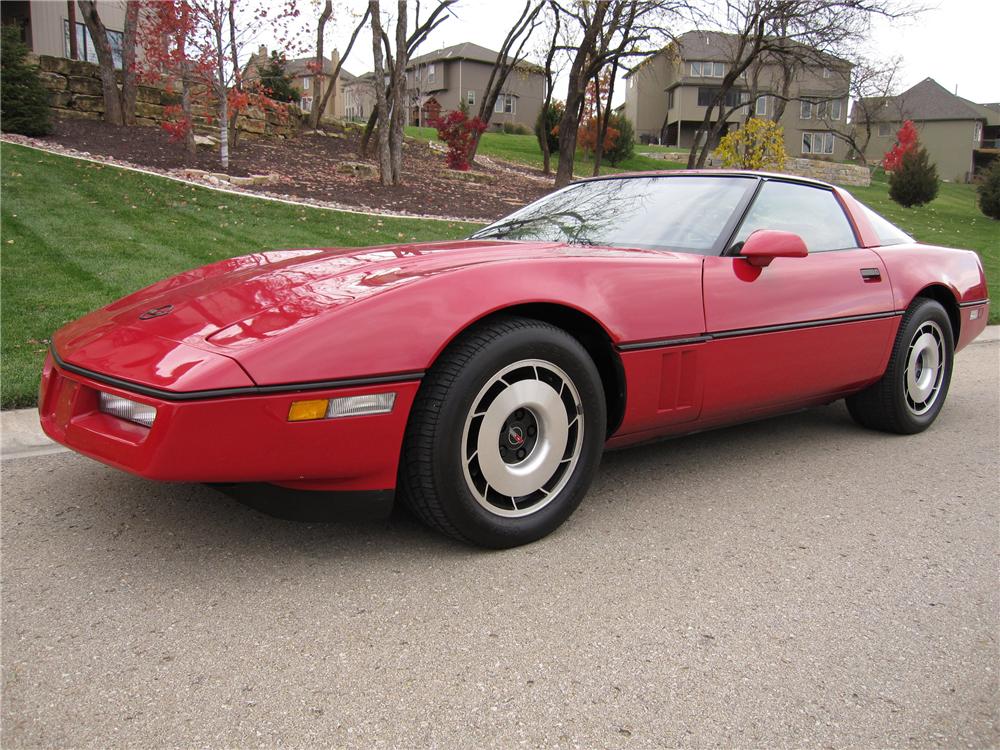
(245, 438)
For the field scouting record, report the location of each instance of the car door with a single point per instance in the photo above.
(800, 329)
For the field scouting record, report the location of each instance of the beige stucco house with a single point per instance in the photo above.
(667, 94)
(442, 80)
(45, 27)
(960, 136)
(305, 80)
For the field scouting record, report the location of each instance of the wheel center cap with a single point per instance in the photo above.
(515, 436)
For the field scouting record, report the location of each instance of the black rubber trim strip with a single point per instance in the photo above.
(634, 346)
(253, 390)
(663, 342)
(974, 304)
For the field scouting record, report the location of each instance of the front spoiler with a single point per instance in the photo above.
(236, 438)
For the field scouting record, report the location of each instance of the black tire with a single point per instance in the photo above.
(437, 475)
(888, 405)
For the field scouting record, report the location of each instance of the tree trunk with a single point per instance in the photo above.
(105, 61)
(318, 77)
(129, 83)
(189, 143)
(331, 90)
(384, 160)
(74, 51)
(569, 124)
(234, 132)
(220, 90)
(398, 97)
(544, 141)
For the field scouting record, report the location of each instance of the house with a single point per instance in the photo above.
(359, 98)
(960, 136)
(445, 79)
(304, 79)
(45, 27)
(667, 94)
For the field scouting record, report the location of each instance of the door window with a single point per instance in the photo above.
(812, 213)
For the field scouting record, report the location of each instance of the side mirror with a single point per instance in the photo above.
(764, 245)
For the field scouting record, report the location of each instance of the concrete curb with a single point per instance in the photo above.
(21, 435)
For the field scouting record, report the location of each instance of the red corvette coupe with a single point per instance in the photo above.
(484, 377)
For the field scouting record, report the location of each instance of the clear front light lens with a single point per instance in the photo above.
(131, 411)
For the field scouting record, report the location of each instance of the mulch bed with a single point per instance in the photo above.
(306, 166)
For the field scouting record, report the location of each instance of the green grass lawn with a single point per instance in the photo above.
(76, 235)
(524, 149)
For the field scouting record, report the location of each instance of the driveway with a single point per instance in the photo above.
(794, 582)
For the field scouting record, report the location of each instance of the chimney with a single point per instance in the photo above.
(262, 52)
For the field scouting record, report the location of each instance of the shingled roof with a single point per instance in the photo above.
(465, 51)
(929, 100)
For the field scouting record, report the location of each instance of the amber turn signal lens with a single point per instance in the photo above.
(302, 411)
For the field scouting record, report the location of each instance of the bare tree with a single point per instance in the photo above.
(398, 114)
(320, 62)
(130, 87)
(612, 31)
(873, 85)
(549, 56)
(420, 32)
(381, 98)
(511, 57)
(331, 89)
(105, 61)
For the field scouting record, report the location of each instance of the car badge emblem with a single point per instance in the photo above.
(156, 312)
(515, 436)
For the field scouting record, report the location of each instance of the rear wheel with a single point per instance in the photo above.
(505, 434)
(912, 392)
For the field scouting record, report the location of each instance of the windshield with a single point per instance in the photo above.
(682, 213)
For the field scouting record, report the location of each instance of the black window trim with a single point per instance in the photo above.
(732, 249)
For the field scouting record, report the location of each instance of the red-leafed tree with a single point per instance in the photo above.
(906, 141)
(197, 44)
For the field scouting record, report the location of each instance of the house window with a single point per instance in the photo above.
(85, 48)
(827, 72)
(884, 130)
(828, 110)
(708, 69)
(305, 83)
(761, 108)
(806, 110)
(505, 104)
(470, 97)
(306, 103)
(431, 73)
(707, 94)
(817, 143)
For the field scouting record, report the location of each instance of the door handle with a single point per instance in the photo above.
(871, 275)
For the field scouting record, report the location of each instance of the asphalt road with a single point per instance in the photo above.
(795, 582)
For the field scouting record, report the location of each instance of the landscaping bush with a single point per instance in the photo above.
(458, 131)
(547, 122)
(989, 191)
(624, 144)
(915, 181)
(515, 128)
(759, 144)
(25, 107)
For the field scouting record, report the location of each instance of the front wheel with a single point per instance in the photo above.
(505, 435)
(912, 392)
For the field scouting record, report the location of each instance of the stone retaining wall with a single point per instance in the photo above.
(75, 91)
